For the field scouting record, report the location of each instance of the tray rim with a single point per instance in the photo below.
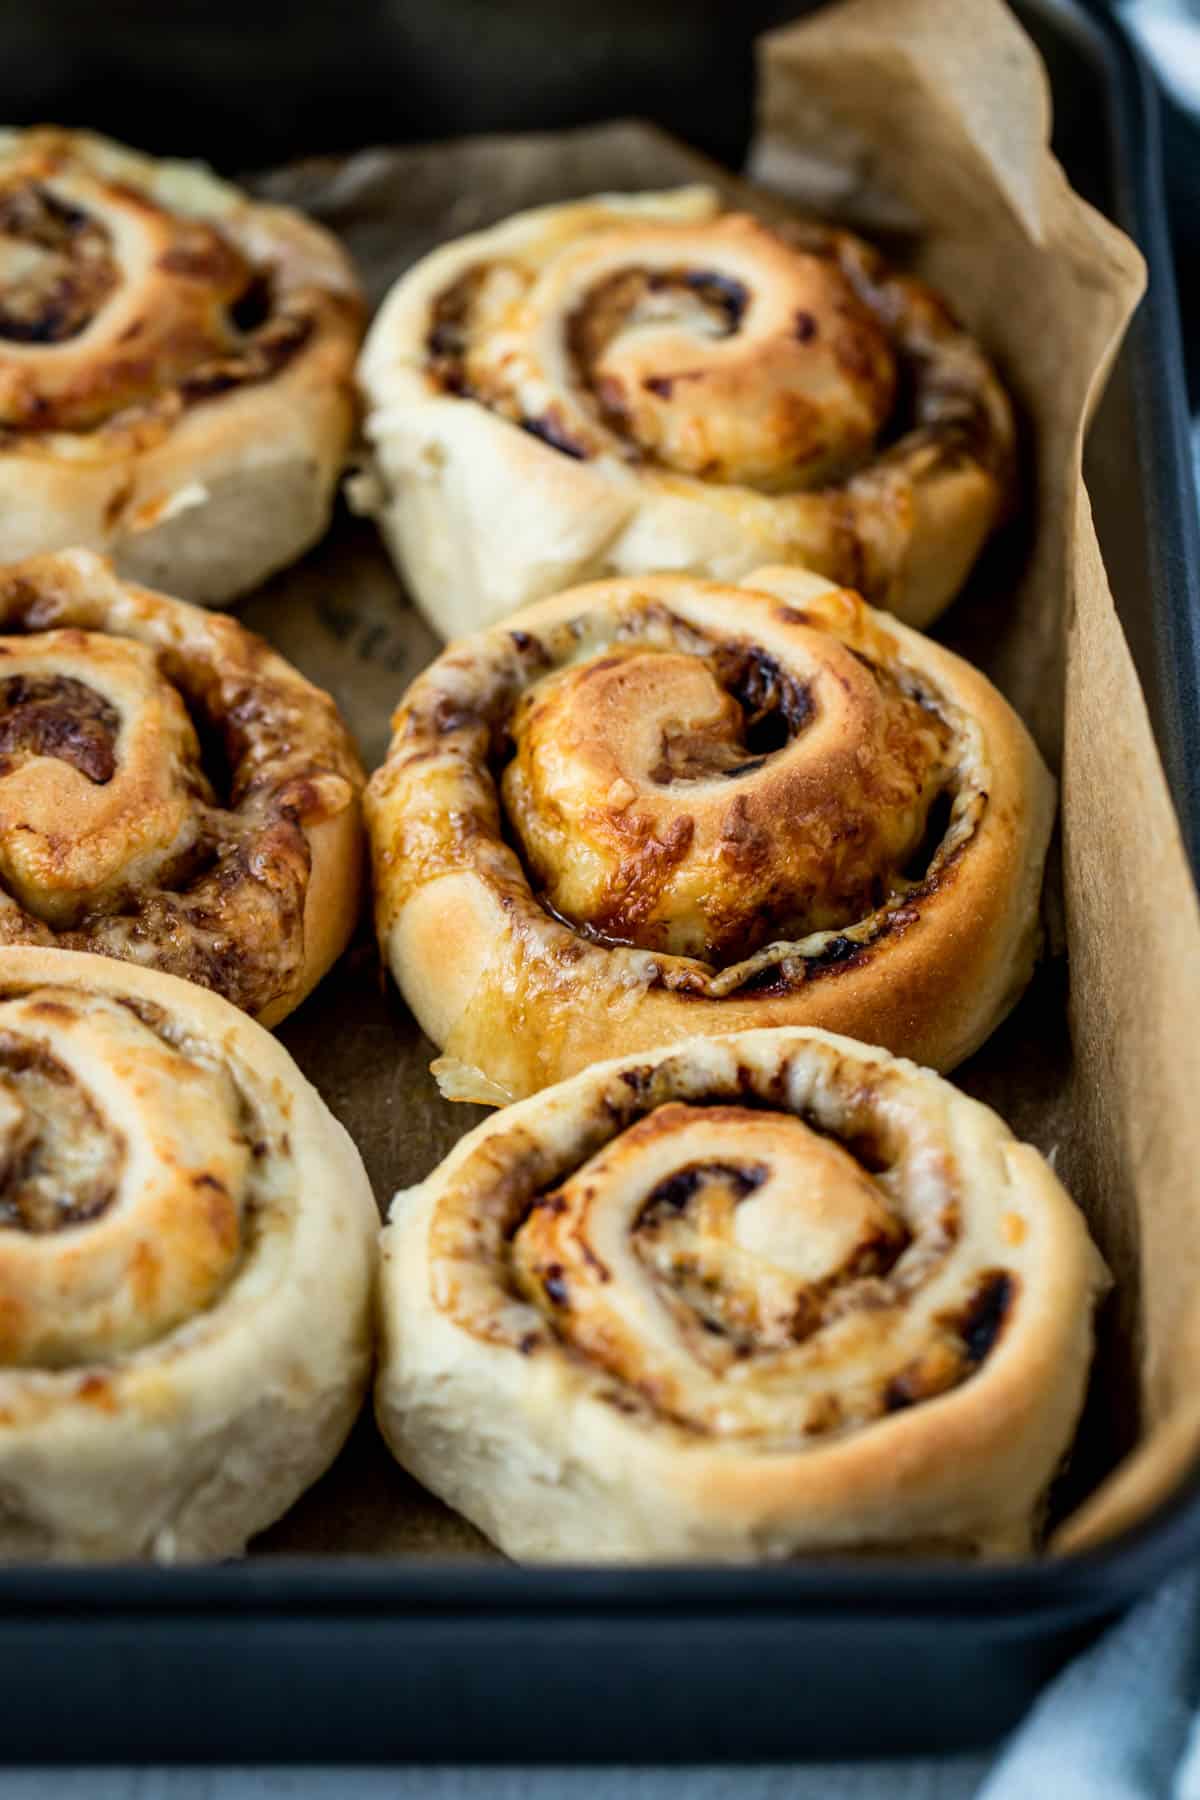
(1159, 399)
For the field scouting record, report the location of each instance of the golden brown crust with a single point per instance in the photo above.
(749, 1296)
(163, 339)
(709, 804)
(755, 806)
(186, 1241)
(703, 391)
(236, 861)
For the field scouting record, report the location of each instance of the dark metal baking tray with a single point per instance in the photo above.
(392, 1660)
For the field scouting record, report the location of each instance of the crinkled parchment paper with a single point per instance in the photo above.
(926, 121)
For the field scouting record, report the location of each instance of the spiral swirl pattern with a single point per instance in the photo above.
(234, 862)
(757, 1294)
(703, 391)
(184, 1266)
(706, 804)
(718, 350)
(124, 288)
(80, 1082)
(159, 335)
(648, 809)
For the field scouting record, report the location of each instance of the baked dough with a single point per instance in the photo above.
(746, 1297)
(186, 1252)
(646, 810)
(176, 366)
(642, 383)
(171, 791)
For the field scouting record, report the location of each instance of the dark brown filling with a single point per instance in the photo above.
(619, 300)
(71, 276)
(56, 715)
(59, 1162)
(263, 354)
(679, 1190)
(226, 907)
(971, 1335)
(550, 429)
(666, 1240)
(775, 705)
(449, 329)
(57, 271)
(613, 302)
(980, 1325)
(775, 708)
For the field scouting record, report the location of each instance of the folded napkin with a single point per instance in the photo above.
(1169, 33)
(1120, 1723)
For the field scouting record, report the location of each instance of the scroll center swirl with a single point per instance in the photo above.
(56, 265)
(745, 1274)
(60, 1160)
(762, 368)
(707, 804)
(58, 715)
(113, 303)
(101, 782)
(123, 1180)
(720, 351)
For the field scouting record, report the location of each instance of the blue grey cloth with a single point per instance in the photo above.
(1169, 33)
(1120, 1723)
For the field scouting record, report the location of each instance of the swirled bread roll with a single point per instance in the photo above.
(171, 791)
(746, 1297)
(176, 366)
(649, 809)
(643, 383)
(186, 1248)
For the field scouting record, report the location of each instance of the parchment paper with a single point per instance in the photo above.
(927, 122)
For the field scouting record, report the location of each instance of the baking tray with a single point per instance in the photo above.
(276, 1659)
